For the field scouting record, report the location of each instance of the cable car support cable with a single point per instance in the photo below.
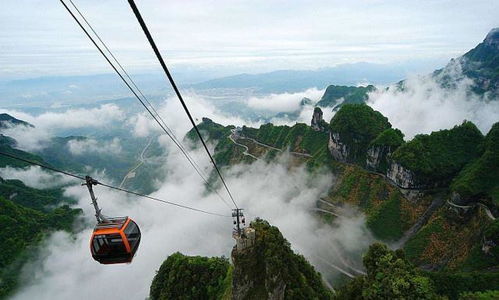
(156, 116)
(175, 88)
(110, 186)
(174, 138)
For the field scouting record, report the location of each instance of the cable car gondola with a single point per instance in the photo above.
(114, 240)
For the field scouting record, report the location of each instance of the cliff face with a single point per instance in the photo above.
(375, 155)
(318, 123)
(352, 129)
(338, 150)
(403, 177)
(381, 148)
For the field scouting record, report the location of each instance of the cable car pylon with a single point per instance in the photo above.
(238, 216)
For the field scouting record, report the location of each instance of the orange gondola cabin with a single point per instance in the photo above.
(115, 240)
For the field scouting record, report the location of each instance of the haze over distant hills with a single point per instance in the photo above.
(69, 90)
(298, 80)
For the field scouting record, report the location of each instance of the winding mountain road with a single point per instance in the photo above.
(131, 173)
(485, 207)
(233, 136)
(246, 149)
(326, 212)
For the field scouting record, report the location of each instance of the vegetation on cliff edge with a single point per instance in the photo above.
(357, 125)
(191, 277)
(480, 179)
(442, 154)
(271, 265)
(350, 94)
(389, 276)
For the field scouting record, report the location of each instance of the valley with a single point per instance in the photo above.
(345, 206)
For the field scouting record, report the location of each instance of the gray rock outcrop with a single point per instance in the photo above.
(318, 123)
(338, 150)
(403, 177)
(375, 155)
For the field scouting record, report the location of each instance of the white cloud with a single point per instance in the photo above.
(143, 125)
(305, 116)
(79, 147)
(425, 106)
(285, 102)
(28, 138)
(64, 269)
(175, 118)
(35, 177)
(72, 118)
(49, 123)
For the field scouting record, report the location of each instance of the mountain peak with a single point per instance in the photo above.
(7, 121)
(492, 38)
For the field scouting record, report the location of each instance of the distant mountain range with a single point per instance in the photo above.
(482, 64)
(7, 120)
(63, 91)
(299, 80)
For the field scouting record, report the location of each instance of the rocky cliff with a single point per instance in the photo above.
(269, 269)
(265, 268)
(432, 160)
(338, 150)
(352, 129)
(375, 154)
(192, 277)
(403, 177)
(381, 148)
(318, 122)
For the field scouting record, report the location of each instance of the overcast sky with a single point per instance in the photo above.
(38, 37)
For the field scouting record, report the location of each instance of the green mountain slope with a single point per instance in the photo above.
(480, 179)
(22, 228)
(389, 276)
(271, 269)
(7, 145)
(191, 277)
(41, 200)
(350, 95)
(267, 269)
(442, 154)
(482, 64)
(7, 120)
(27, 214)
(356, 125)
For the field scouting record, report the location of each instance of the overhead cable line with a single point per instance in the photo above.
(109, 186)
(174, 86)
(127, 75)
(165, 127)
(155, 116)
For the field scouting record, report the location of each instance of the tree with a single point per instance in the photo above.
(389, 276)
